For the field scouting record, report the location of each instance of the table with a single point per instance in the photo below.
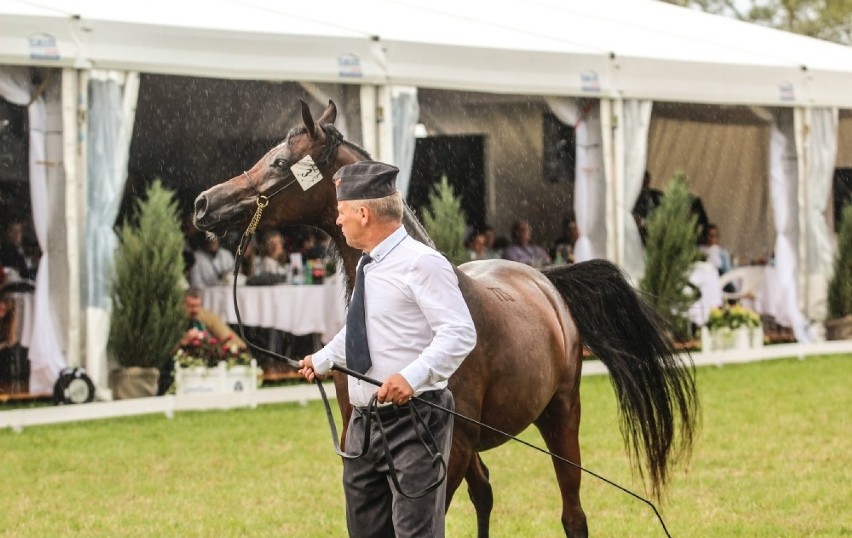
(299, 310)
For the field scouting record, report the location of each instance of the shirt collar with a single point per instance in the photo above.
(384, 248)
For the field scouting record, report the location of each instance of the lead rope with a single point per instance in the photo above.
(262, 202)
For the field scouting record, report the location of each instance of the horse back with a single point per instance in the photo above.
(527, 342)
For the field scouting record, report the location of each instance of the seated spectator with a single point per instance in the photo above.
(8, 337)
(491, 244)
(212, 265)
(8, 322)
(12, 253)
(273, 258)
(563, 246)
(521, 250)
(716, 254)
(477, 249)
(199, 320)
(320, 248)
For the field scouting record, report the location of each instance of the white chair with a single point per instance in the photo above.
(747, 282)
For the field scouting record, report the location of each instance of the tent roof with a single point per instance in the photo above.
(632, 48)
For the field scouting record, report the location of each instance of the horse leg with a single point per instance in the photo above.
(560, 428)
(480, 493)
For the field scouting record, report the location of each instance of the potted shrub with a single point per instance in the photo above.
(838, 326)
(148, 317)
(670, 252)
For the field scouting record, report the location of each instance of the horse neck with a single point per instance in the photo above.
(347, 153)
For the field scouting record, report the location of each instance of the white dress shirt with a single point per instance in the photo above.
(208, 269)
(418, 323)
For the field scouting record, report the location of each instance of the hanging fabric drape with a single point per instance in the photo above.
(783, 177)
(405, 111)
(590, 183)
(45, 354)
(111, 114)
(821, 149)
(636, 119)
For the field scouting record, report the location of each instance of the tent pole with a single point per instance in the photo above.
(73, 157)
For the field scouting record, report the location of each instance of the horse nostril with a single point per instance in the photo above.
(200, 206)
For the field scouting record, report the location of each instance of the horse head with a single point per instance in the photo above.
(294, 177)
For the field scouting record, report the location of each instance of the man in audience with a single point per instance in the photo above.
(212, 265)
(199, 321)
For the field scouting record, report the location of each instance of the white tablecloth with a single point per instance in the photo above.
(295, 309)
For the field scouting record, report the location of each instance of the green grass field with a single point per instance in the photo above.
(772, 459)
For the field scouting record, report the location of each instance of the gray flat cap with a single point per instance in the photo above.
(365, 180)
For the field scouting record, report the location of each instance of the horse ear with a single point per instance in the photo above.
(329, 114)
(308, 119)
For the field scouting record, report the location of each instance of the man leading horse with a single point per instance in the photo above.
(408, 326)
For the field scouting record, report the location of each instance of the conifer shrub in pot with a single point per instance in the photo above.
(148, 317)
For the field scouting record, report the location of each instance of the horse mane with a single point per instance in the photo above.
(413, 226)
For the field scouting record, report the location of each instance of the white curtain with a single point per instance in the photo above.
(636, 119)
(821, 149)
(111, 113)
(405, 112)
(45, 354)
(590, 180)
(783, 178)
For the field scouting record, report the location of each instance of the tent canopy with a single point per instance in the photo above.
(629, 48)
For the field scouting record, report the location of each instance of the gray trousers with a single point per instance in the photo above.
(374, 508)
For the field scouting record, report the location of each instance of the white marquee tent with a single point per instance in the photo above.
(624, 54)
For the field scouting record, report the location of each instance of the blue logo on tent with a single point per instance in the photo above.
(349, 66)
(589, 81)
(43, 47)
(786, 91)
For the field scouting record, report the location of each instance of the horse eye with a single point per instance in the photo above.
(279, 163)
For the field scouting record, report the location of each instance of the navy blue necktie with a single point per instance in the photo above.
(357, 349)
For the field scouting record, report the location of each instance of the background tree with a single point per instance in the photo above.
(830, 20)
(445, 222)
(669, 254)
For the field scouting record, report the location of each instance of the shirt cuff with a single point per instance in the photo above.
(416, 373)
(322, 363)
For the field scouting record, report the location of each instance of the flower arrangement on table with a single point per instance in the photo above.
(199, 348)
(733, 317)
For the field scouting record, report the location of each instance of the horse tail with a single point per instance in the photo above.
(654, 386)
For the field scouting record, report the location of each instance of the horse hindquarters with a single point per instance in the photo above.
(654, 389)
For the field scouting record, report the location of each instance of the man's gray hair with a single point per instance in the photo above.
(389, 208)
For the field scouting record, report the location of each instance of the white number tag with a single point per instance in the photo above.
(306, 173)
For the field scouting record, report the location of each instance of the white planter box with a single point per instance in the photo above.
(725, 339)
(199, 379)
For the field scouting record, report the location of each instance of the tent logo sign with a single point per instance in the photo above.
(349, 66)
(786, 92)
(589, 81)
(43, 47)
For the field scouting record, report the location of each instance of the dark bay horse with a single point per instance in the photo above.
(531, 329)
